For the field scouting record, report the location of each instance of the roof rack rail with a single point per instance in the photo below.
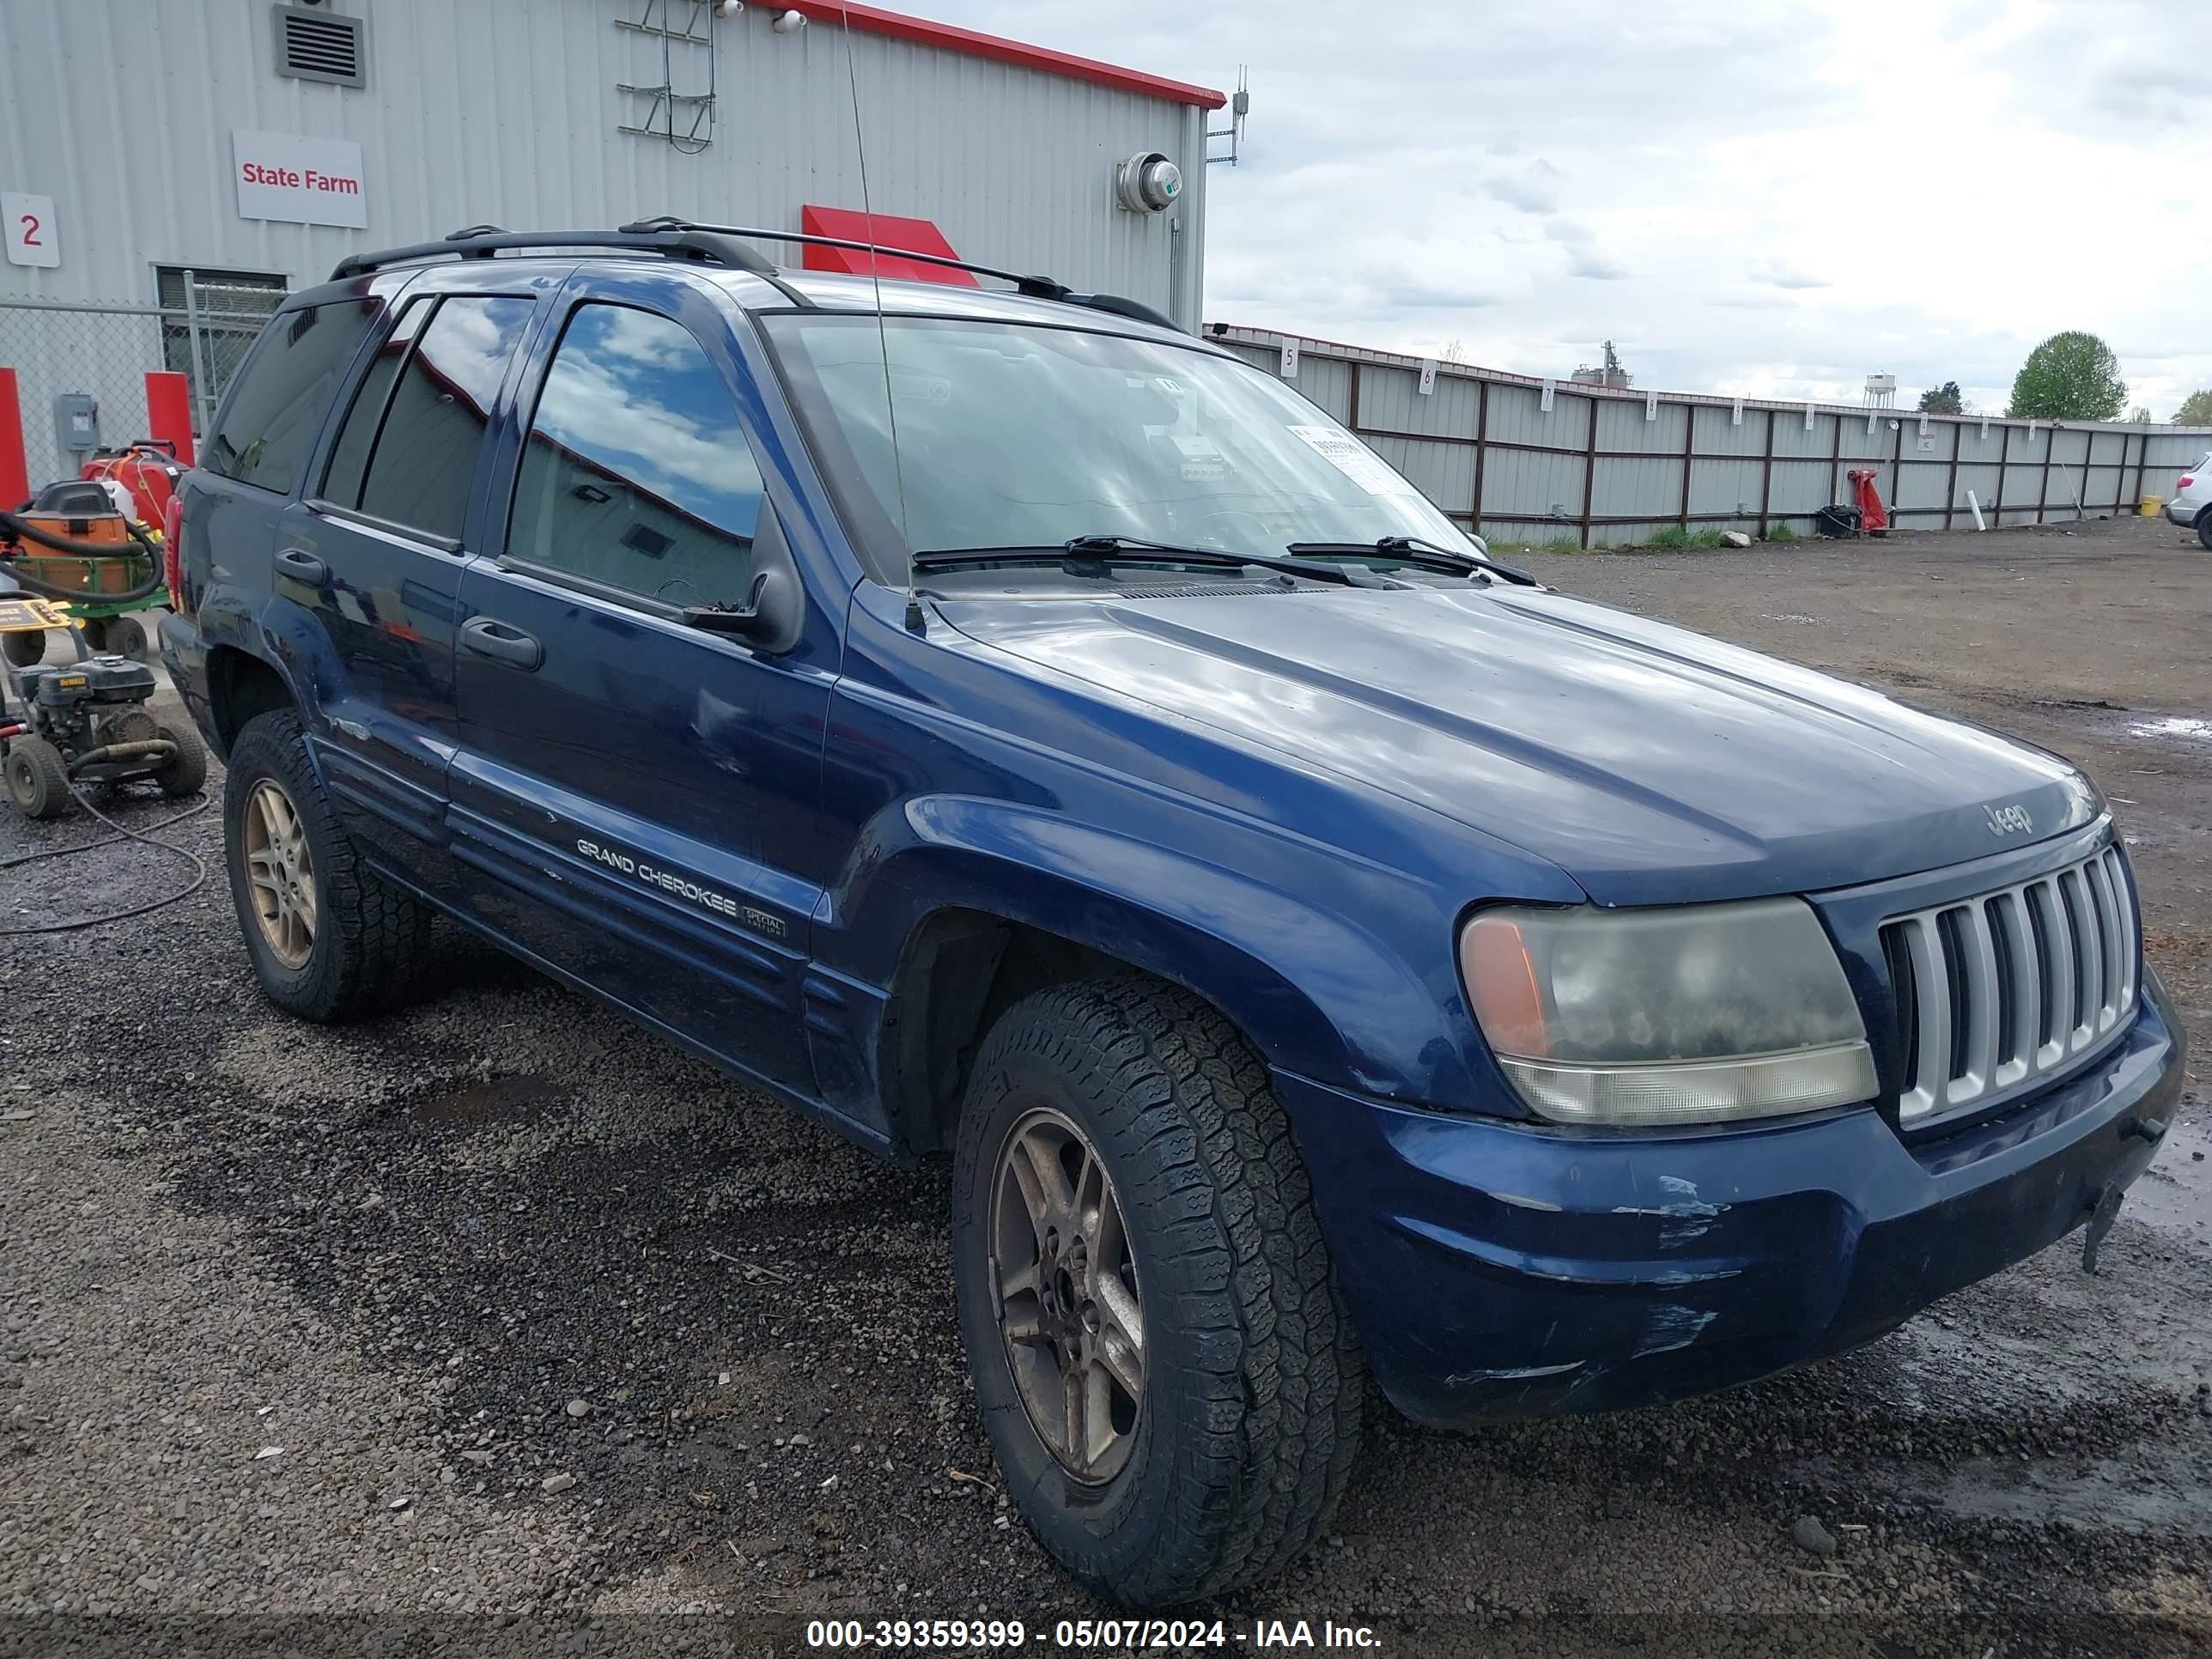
(719, 245)
(1123, 307)
(1035, 288)
(482, 241)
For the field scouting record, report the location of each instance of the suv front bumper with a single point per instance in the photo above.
(1499, 1270)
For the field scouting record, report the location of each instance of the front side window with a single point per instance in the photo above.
(1013, 434)
(270, 424)
(637, 474)
(424, 461)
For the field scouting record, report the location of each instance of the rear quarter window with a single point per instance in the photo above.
(268, 425)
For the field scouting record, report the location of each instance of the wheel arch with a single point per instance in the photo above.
(241, 685)
(977, 928)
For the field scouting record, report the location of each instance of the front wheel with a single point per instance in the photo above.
(1161, 1356)
(37, 779)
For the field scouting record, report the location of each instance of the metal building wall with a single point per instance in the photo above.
(1603, 468)
(506, 111)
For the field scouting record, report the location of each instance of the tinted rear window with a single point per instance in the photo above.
(425, 460)
(269, 423)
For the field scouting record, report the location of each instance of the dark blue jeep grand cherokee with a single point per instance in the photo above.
(1000, 725)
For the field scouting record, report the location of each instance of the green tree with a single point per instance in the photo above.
(1945, 399)
(2195, 410)
(2071, 376)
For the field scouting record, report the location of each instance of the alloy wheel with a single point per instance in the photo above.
(1069, 1306)
(280, 870)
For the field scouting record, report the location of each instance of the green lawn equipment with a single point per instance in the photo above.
(63, 726)
(71, 542)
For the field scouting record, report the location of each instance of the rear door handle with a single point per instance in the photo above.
(488, 636)
(303, 566)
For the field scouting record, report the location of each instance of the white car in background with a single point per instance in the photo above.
(2192, 494)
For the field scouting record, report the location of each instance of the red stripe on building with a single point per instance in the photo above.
(169, 411)
(886, 230)
(974, 44)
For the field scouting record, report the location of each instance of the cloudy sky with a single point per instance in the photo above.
(1753, 197)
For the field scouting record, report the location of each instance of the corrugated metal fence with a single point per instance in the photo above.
(1602, 467)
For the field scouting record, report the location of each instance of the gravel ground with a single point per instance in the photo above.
(499, 1306)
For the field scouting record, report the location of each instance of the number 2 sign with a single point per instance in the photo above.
(30, 229)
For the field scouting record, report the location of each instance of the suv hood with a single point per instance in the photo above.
(1653, 764)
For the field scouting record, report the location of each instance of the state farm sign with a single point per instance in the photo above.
(306, 181)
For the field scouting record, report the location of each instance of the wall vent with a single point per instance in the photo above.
(318, 44)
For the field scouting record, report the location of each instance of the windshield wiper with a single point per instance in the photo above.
(1101, 550)
(1411, 549)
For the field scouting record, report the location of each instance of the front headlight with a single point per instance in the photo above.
(1696, 1015)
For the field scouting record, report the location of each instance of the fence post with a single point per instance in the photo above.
(1589, 468)
(1951, 481)
(1897, 475)
(2004, 467)
(1689, 446)
(199, 362)
(1481, 441)
(2043, 490)
(1766, 477)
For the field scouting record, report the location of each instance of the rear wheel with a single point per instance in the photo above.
(24, 648)
(2204, 524)
(187, 772)
(38, 779)
(330, 940)
(1161, 1357)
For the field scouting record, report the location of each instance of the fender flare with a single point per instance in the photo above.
(1283, 965)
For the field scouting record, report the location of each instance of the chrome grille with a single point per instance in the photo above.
(1997, 991)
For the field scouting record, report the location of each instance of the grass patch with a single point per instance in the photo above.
(1780, 531)
(1563, 545)
(1707, 538)
(1673, 537)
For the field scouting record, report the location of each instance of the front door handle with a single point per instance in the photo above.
(303, 566)
(488, 636)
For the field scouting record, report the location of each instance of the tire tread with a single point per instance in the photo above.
(1282, 1381)
(380, 930)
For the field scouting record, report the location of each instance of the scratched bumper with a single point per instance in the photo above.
(1495, 1270)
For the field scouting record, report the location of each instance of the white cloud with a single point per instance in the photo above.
(1772, 195)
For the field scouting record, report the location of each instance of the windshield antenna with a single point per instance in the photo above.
(915, 619)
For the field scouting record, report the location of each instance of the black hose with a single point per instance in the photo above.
(137, 749)
(24, 529)
(79, 923)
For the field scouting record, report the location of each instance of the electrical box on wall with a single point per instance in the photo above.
(76, 423)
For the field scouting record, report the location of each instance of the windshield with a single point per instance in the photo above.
(1014, 434)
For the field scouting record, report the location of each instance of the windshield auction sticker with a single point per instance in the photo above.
(1354, 459)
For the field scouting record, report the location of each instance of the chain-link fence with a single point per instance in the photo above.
(60, 348)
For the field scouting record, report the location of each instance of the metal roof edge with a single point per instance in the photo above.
(974, 43)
